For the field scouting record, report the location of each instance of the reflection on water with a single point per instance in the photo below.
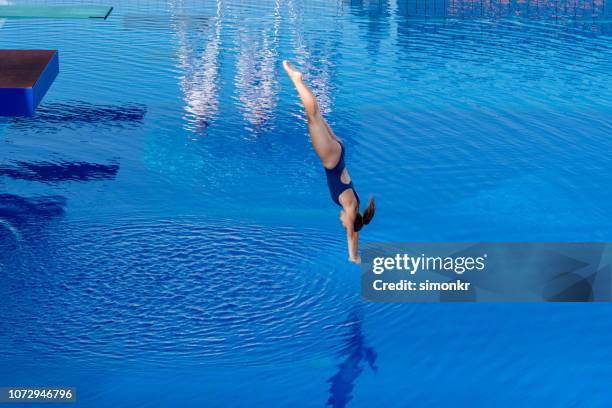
(53, 115)
(18, 211)
(199, 66)
(58, 171)
(257, 70)
(3, 3)
(376, 24)
(203, 45)
(530, 9)
(145, 22)
(317, 56)
(256, 67)
(356, 354)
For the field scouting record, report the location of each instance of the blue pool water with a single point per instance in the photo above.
(166, 234)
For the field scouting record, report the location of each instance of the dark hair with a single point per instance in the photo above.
(368, 214)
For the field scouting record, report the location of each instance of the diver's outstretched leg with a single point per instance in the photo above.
(323, 139)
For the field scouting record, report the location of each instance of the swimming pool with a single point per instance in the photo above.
(167, 236)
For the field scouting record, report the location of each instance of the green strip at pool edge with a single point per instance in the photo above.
(14, 11)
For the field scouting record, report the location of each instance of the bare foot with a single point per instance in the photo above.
(294, 74)
(308, 99)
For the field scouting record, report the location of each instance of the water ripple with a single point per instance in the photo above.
(172, 292)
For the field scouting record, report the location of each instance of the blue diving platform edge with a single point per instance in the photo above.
(23, 100)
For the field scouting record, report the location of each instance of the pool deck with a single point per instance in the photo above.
(25, 77)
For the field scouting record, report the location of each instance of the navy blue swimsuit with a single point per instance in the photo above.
(334, 181)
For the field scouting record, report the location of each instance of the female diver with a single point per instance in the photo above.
(331, 152)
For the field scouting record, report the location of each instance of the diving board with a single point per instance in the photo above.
(51, 11)
(25, 78)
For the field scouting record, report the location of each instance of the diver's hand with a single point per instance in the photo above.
(355, 260)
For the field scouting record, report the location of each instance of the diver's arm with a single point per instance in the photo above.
(352, 236)
(352, 239)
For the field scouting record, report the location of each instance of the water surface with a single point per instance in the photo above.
(167, 236)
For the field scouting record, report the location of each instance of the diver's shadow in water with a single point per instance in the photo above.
(357, 354)
(18, 214)
(24, 215)
(18, 211)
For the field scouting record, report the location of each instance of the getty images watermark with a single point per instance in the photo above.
(502, 272)
(412, 264)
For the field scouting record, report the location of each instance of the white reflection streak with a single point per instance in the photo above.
(200, 79)
(12, 230)
(256, 72)
(3, 3)
(316, 73)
